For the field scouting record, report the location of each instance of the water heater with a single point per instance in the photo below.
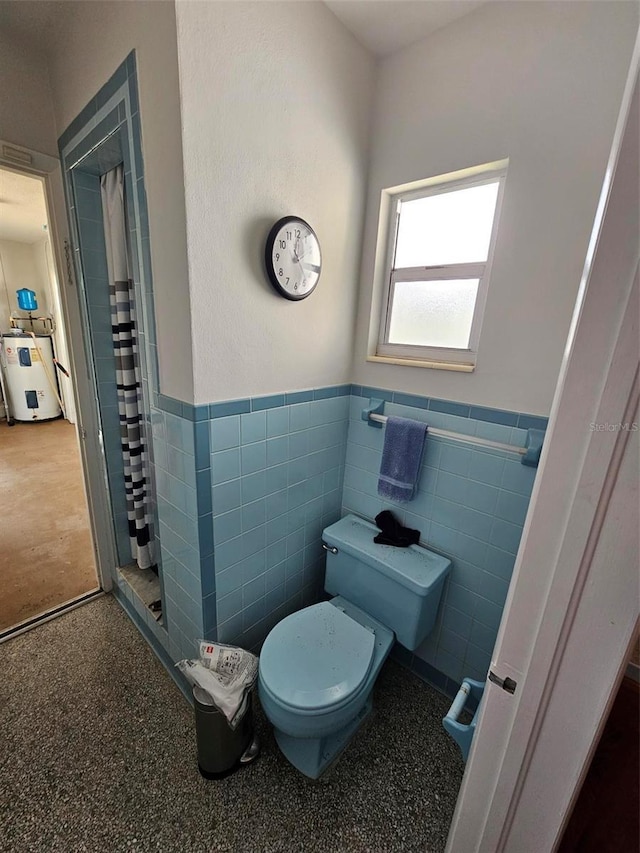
(25, 362)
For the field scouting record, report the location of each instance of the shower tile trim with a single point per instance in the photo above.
(245, 405)
(504, 417)
(106, 132)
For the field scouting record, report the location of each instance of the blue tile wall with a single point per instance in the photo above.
(246, 487)
(276, 470)
(152, 631)
(470, 505)
(461, 411)
(104, 134)
(244, 491)
(185, 529)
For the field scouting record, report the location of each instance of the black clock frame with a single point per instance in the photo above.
(268, 258)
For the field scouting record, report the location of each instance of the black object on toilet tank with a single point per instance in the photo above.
(394, 533)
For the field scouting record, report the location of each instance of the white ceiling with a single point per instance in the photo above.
(23, 215)
(384, 26)
(33, 22)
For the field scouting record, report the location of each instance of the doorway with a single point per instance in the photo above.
(46, 550)
(111, 289)
(114, 342)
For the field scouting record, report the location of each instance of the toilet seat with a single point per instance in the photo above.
(316, 659)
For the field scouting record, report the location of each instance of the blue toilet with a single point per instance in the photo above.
(318, 666)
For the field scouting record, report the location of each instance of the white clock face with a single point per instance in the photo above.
(295, 259)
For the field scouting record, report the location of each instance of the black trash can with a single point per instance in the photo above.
(219, 746)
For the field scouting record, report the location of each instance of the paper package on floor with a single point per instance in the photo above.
(226, 674)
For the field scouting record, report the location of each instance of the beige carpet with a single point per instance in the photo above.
(46, 557)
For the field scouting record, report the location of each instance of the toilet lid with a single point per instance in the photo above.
(316, 657)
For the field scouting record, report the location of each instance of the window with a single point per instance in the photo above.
(440, 236)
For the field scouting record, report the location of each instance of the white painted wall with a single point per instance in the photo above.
(26, 111)
(19, 268)
(92, 40)
(572, 608)
(40, 260)
(275, 105)
(539, 83)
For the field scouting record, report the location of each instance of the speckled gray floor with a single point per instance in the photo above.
(97, 753)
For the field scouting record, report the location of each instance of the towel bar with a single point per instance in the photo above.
(530, 453)
(458, 436)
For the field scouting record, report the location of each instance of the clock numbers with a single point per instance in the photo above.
(293, 258)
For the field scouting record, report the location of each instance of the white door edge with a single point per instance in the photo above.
(513, 781)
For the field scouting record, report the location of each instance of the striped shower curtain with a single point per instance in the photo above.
(125, 350)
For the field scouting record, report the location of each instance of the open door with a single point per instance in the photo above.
(572, 609)
(48, 169)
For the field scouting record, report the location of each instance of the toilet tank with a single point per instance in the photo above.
(399, 586)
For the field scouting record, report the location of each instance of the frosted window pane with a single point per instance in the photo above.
(433, 313)
(448, 228)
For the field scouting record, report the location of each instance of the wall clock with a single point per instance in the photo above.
(292, 258)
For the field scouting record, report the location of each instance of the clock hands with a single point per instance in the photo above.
(296, 256)
(298, 259)
(305, 268)
(293, 258)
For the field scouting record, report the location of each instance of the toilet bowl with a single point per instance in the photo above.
(318, 666)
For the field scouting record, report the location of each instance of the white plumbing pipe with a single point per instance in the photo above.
(47, 374)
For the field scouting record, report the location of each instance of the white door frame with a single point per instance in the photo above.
(572, 611)
(88, 421)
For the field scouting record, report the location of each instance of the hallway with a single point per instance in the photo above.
(97, 753)
(46, 555)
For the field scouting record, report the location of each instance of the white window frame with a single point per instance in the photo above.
(436, 356)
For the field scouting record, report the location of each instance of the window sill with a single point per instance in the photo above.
(414, 362)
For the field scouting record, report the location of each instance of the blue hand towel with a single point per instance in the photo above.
(401, 455)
